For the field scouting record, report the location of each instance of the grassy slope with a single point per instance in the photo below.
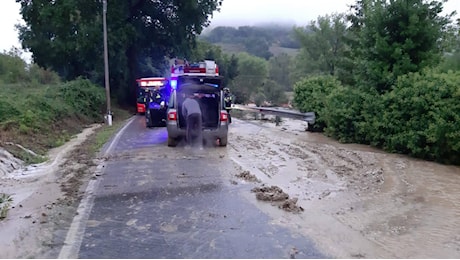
(40, 117)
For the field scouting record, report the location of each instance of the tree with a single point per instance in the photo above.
(302, 65)
(279, 69)
(228, 65)
(323, 43)
(451, 58)
(66, 36)
(258, 47)
(252, 72)
(12, 67)
(273, 93)
(396, 37)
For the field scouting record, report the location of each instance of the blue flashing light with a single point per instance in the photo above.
(212, 85)
(174, 83)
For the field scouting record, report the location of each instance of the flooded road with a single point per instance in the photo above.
(345, 200)
(358, 201)
(155, 201)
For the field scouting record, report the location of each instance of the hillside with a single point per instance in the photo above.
(262, 41)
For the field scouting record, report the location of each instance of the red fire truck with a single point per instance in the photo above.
(144, 85)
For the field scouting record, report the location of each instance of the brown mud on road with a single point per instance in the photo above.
(278, 197)
(247, 176)
(45, 198)
(358, 201)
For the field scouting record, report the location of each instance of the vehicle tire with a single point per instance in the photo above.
(148, 120)
(223, 141)
(172, 142)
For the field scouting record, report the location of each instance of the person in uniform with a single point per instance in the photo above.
(228, 100)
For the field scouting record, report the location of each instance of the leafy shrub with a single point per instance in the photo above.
(342, 114)
(43, 116)
(12, 68)
(310, 96)
(259, 99)
(423, 116)
(7, 109)
(43, 76)
(85, 98)
(274, 93)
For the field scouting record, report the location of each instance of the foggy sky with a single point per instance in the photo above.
(233, 13)
(298, 12)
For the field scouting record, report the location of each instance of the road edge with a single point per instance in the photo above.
(74, 237)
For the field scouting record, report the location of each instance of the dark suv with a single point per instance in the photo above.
(155, 112)
(214, 115)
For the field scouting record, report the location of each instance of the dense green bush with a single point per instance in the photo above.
(12, 68)
(422, 116)
(310, 96)
(85, 98)
(34, 108)
(342, 114)
(7, 110)
(42, 76)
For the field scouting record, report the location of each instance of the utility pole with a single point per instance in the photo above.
(106, 63)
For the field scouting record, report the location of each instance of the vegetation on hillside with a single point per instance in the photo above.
(39, 112)
(384, 74)
(255, 40)
(397, 81)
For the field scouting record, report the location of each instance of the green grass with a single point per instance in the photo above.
(40, 117)
(104, 134)
(39, 112)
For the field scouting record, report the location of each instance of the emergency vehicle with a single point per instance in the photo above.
(144, 85)
(202, 80)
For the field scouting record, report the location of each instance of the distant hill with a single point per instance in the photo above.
(262, 41)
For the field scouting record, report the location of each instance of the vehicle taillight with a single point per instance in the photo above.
(172, 116)
(217, 70)
(223, 116)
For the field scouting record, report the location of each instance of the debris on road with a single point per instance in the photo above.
(272, 193)
(247, 176)
(290, 205)
(276, 194)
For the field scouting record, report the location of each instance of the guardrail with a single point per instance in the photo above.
(309, 117)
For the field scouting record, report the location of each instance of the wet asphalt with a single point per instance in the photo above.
(155, 201)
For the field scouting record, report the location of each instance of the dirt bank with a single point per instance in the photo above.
(44, 197)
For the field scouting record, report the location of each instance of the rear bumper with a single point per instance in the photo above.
(155, 117)
(216, 133)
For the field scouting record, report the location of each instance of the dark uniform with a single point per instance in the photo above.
(155, 108)
(228, 100)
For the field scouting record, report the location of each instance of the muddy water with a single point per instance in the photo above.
(359, 201)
